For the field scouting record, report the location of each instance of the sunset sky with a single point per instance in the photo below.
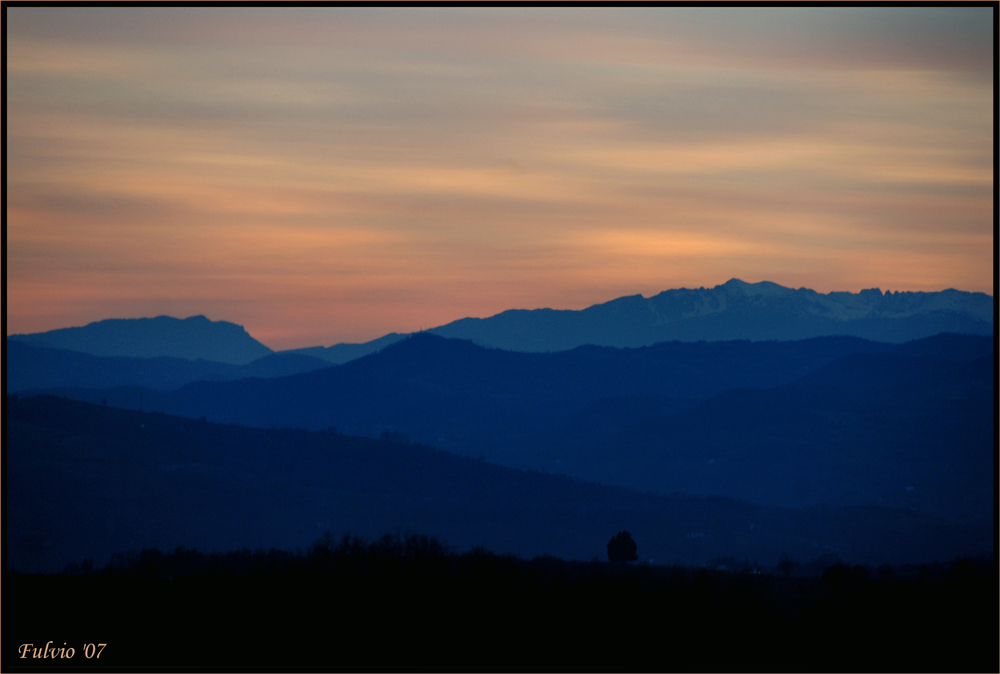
(323, 175)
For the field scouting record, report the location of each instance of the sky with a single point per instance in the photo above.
(331, 174)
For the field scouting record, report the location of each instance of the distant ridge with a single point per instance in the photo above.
(734, 310)
(338, 354)
(193, 338)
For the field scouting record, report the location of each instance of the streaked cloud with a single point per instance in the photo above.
(331, 174)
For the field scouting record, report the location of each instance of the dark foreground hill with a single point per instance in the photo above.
(834, 420)
(86, 481)
(411, 604)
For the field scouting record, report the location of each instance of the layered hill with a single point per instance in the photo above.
(339, 354)
(835, 420)
(87, 481)
(192, 338)
(32, 367)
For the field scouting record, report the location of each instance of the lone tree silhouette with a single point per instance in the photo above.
(621, 548)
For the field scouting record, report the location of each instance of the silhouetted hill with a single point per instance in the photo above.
(87, 481)
(193, 338)
(897, 430)
(32, 367)
(344, 352)
(834, 420)
(433, 387)
(731, 311)
(948, 346)
(280, 364)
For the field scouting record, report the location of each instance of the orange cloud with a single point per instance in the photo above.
(330, 175)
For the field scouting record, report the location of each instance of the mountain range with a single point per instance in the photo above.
(732, 311)
(893, 436)
(835, 420)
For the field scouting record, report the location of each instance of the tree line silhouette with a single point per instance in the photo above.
(408, 601)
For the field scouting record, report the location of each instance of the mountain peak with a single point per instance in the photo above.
(734, 310)
(194, 338)
(735, 285)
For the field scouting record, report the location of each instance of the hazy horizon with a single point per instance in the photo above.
(326, 175)
(300, 344)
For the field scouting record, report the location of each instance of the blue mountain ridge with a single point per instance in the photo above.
(734, 310)
(731, 311)
(193, 338)
(835, 420)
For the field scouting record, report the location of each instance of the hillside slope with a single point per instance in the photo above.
(88, 481)
(835, 420)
